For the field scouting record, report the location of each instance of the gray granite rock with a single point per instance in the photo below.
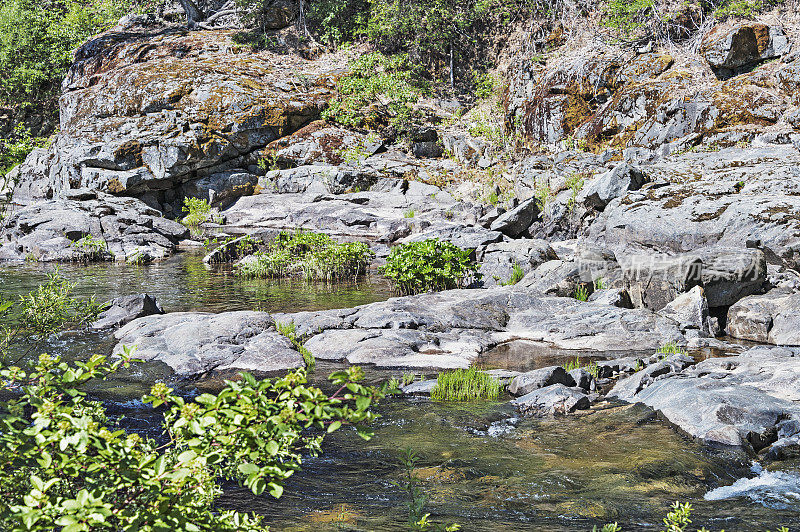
(539, 378)
(122, 310)
(555, 399)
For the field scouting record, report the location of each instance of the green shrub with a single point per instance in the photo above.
(592, 367)
(429, 265)
(670, 348)
(66, 465)
(199, 211)
(337, 22)
(92, 248)
(314, 256)
(465, 385)
(372, 77)
(626, 16)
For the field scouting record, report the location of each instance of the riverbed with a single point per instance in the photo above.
(481, 466)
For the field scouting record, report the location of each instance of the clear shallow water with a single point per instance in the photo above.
(480, 466)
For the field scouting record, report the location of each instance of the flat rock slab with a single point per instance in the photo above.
(743, 401)
(193, 343)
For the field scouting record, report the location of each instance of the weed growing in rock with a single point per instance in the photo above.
(581, 293)
(517, 273)
(543, 195)
(289, 331)
(670, 348)
(410, 213)
(599, 284)
(428, 266)
(574, 184)
(199, 211)
(592, 367)
(313, 256)
(465, 385)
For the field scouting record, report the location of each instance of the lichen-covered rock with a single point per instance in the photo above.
(321, 143)
(146, 111)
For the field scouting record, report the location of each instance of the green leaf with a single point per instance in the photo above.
(248, 468)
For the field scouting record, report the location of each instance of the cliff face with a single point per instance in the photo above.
(164, 113)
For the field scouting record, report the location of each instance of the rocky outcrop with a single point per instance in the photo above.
(725, 198)
(162, 113)
(91, 227)
(499, 260)
(556, 399)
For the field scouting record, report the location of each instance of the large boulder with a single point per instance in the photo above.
(555, 399)
(729, 274)
(613, 184)
(690, 310)
(60, 229)
(743, 45)
(539, 378)
(499, 259)
(655, 280)
(193, 343)
(751, 318)
(746, 400)
(123, 310)
(516, 221)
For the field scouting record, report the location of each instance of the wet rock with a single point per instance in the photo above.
(626, 389)
(743, 45)
(51, 230)
(539, 378)
(740, 401)
(613, 184)
(555, 399)
(498, 259)
(516, 221)
(419, 387)
(122, 310)
(655, 280)
(232, 250)
(193, 343)
(583, 379)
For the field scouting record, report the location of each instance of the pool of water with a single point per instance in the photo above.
(480, 465)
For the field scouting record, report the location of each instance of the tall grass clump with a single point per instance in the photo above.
(670, 348)
(429, 265)
(465, 385)
(312, 256)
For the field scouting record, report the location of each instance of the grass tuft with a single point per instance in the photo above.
(288, 330)
(465, 385)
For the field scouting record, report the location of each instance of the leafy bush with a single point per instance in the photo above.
(92, 248)
(199, 211)
(314, 256)
(65, 465)
(429, 265)
(338, 21)
(465, 385)
(37, 39)
(372, 77)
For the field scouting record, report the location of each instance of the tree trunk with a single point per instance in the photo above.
(193, 14)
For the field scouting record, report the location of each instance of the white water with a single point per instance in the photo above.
(774, 489)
